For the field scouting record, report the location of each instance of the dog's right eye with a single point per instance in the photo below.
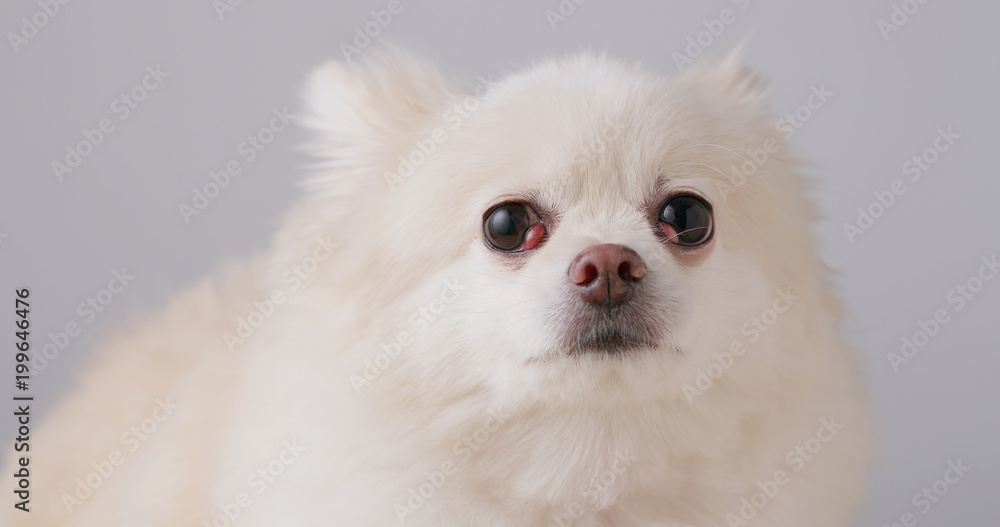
(512, 227)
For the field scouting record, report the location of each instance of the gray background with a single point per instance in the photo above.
(120, 207)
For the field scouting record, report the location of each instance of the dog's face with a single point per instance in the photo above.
(588, 214)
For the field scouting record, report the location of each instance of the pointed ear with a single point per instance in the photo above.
(728, 77)
(362, 117)
(373, 109)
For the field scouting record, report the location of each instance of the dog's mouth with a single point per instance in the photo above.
(632, 329)
(611, 340)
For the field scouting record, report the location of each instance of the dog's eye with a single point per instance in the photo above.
(686, 220)
(512, 227)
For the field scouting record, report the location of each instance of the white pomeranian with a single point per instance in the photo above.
(584, 295)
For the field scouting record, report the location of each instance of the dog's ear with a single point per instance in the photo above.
(371, 110)
(362, 117)
(728, 78)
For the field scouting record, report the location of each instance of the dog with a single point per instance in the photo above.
(584, 294)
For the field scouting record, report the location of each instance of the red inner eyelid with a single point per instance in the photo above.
(670, 232)
(533, 237)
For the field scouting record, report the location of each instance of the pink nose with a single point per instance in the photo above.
(606, 274)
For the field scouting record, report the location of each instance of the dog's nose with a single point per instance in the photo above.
(606, 274)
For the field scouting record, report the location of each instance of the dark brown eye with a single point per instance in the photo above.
(512, 227)
(686, 220)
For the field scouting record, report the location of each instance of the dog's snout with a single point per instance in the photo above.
(606, 274)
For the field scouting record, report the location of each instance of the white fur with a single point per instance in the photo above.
(491, 353)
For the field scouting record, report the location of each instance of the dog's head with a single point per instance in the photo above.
(584, 227)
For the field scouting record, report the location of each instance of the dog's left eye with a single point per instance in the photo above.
(686, 220)
(512, 227)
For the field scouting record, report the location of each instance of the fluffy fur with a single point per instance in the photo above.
(423, 374)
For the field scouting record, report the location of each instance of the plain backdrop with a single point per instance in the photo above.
(937, 69)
